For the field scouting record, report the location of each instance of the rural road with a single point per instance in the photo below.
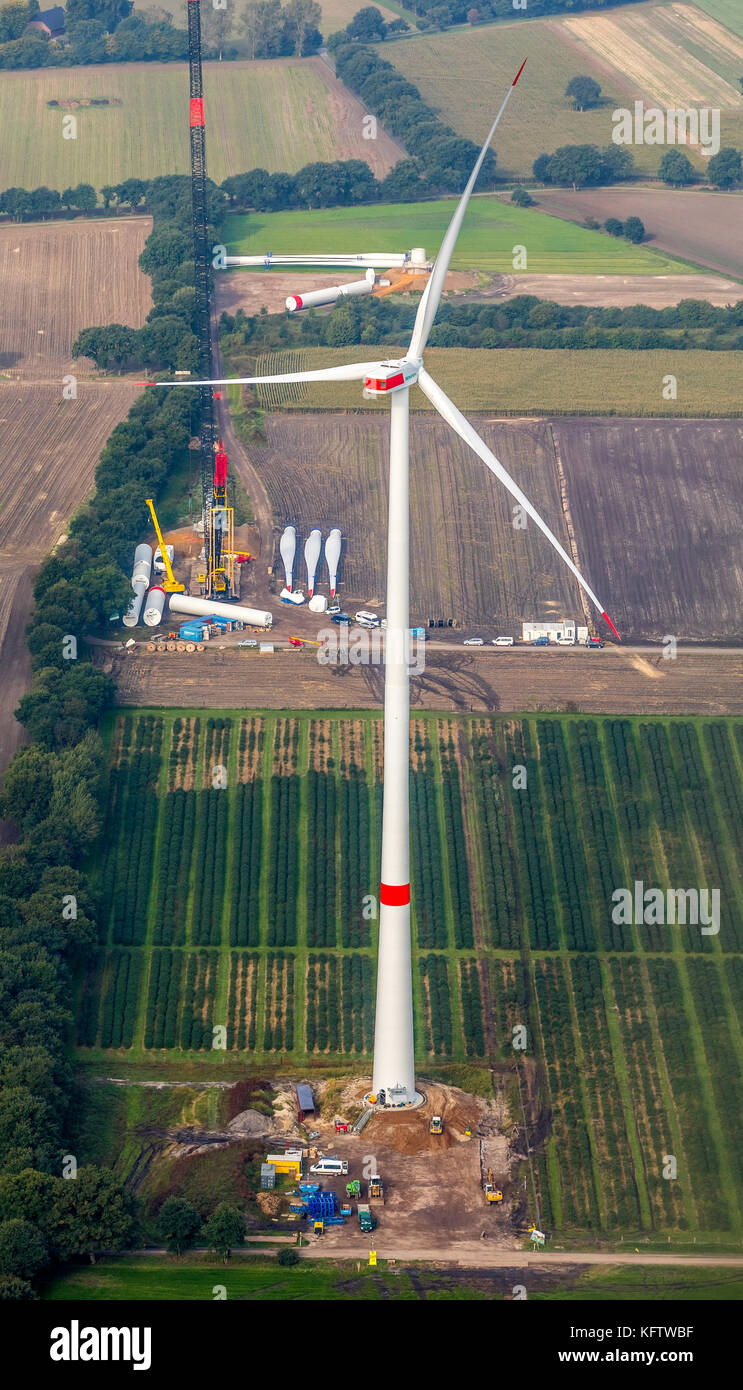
(475, 1254)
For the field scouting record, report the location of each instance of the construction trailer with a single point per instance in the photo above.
(289, 1162)
(564, 633)
(305, 1101)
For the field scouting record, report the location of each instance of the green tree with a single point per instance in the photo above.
(634, 230)
(367, 25)
(521, 198)
(262, 25)
(23, 1250)
(224, 1229)
(27, 788)
(613, 226)
(217, 26)
(91, 1212)
(17, 1289)
(83, 196)
(301, 33)
(583, 92)
(108, 194)
(178, 1223)
(726, 168)
(676, 168)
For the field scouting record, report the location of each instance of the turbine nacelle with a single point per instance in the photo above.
(390, 377)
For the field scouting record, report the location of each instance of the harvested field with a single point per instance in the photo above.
(467, 557)
(671, 54)
(703, 227)
(59, 277)
(614, 681)
(298, 112)
(658, 510)
(524, 381)
(727, 12)
(56, 280)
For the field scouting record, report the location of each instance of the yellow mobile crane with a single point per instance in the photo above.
(170, 583)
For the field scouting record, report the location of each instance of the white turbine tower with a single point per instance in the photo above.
(394, 1069)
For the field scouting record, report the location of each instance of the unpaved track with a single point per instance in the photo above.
(612, 681)
(478, 1254)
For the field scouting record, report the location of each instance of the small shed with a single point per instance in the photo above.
(268, 1176)
(305, 1101)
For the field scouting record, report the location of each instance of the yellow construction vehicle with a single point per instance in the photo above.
(375, 1192)
(492, 1193)
(436, 1126)
(170, 583)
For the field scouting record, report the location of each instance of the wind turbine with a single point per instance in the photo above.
(394, 1069)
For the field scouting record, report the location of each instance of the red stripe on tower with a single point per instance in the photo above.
(394, 895)
(197, 110)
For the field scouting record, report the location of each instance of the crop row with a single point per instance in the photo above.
(286, 745)
(456, 848)
(429, 899)
(321, 858)
(472, 1021)
(571, 875)
(216, 747)
(614, 1155)
(644, 1067)
(501, 903)
(532, 842)
(599, 829)
(690, 1095)
(184, 751)
(163, 999)
(242, 1000)
(210, 866)
(437, 1004)
(355, 857)
(722, 1055)
(172, 877)
(199, 991)
(510, 991)
(120, 998)
(283, 864)
(578, 1187)
(127, 871)
(727, 779)
(633, 815)
(702, 812)
(322, 1029)
(246, 865)
(250, 744)
(278, 1029)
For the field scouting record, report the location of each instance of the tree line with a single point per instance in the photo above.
(524, 321)
(584, 166)
(440, 14)
(54, 792)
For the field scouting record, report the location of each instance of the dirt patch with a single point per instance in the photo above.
(610, 291)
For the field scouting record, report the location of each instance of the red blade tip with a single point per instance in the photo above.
(144, 383)
(518, 74)
(607, 619)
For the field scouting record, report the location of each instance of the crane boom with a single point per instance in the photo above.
(171, 585)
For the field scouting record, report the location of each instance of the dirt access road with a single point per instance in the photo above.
(478, 1254)
(611, 681)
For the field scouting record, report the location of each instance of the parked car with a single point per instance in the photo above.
(340, 618)
(334, 1167)
(473, 642)
(248, 642)
(541, 642)
(502, 641)
(594, 642)
(366, 619)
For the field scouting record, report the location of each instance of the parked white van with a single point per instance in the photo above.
(332, 1167)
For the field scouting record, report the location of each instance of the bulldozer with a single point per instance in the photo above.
(436, 1126)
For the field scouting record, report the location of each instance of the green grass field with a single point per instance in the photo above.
(253, 1279)
(242, 908)
(492, 229)
(463, 73)
(276, 116)
(728, 12)
(526, 381)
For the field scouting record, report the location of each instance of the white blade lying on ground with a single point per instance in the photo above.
(431, 297)
(353, 371)
(464, 429)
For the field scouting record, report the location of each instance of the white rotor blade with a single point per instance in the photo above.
(353, 371)
(464, 429)
(428, 307)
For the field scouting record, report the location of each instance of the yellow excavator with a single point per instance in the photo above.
(170, 583)
(492, 1193)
